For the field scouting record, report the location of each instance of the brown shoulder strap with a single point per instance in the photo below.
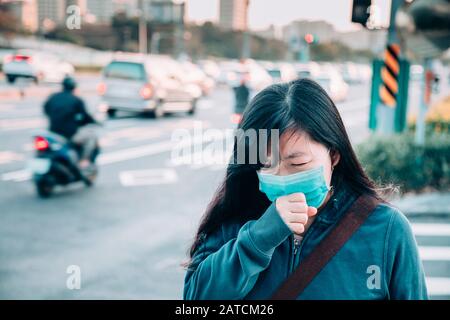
(327, 248)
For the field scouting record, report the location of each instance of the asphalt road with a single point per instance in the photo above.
(129, 233)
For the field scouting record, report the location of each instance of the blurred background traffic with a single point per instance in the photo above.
(145, 68)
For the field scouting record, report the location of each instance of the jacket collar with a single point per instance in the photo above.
(337, 205)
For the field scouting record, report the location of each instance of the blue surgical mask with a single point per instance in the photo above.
(311, 182)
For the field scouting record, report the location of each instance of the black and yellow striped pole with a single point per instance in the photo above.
(390, 75)
(390, 82)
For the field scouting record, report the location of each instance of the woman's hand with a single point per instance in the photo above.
(294, 211)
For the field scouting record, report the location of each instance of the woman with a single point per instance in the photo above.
(254, 234)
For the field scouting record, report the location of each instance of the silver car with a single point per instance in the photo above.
(36, 65)
(142, 85)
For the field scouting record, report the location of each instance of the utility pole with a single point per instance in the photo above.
(423, 106)
(246, 50)
(386, 114)
(245, 44)
(142, 27)
(156, 38)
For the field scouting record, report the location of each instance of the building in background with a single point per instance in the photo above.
(25, 12)
(373, 40)
(165, 11)
(51, 13)
(101, 10)
(321, 30)
(272, 32)
(324, 32)
(82, 4)
(233, 14)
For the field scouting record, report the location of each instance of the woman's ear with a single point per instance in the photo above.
(335, 157)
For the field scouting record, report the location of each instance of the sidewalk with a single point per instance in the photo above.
(436, 204)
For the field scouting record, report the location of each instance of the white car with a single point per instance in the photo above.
(151, 85)
(192, 73)
(36, 65)
(280, 72)
(307, 70)
(210, 68)
(334, 85)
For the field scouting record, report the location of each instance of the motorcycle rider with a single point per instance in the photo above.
(68, 117)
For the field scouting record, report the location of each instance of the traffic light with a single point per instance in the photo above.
(360, 11)
(309, 38)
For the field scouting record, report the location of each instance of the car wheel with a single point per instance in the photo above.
(158, 112)
(91, 177)
(111, 113)
(193, 107)
(10, 79)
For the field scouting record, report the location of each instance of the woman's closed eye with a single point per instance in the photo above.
(299, 164)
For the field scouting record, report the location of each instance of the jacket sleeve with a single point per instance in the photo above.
(82, 115)
(407, 278)
(223, 269)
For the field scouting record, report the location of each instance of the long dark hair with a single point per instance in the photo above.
(301, 105)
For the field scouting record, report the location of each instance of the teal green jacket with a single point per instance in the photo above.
(251, 260)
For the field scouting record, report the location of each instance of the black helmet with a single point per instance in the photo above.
(69, 83)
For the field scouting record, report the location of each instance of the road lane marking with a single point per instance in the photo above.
(434, 253)
(22, 123)
(135, 152)
(17, 176)
(121, 155)
(147, 177)
(6, 107)
(438, 286)
(431, 229)
(10, 156)
(202, 159)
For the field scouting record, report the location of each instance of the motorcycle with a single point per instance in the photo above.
(56, 163)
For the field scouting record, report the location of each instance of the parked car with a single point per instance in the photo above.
(228, 72)
(195, 75)
(148, 85)
(211, 68)
(280, 72)
(307, 70)
(354, 73)
(334, 85)
(36, 65)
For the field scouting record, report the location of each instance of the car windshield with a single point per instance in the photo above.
(125, 70)
(303, 74)
(274, 73)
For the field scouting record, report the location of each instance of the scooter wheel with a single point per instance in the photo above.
(90, 178)
(44, 189)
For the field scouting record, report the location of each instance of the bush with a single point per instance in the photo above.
(437, 118)
(398, 160)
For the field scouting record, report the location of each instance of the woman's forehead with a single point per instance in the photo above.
(294, 144)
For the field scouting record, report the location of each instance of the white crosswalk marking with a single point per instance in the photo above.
(148, 177)
(431, 229)
(434, 253)
(437, 286)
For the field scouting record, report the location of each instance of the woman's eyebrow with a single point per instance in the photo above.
(295, 154)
